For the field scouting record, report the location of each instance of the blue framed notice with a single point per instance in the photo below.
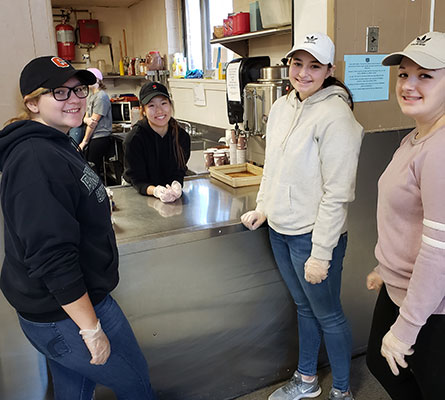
(366, 77)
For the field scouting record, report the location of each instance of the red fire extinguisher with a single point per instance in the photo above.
(65, 41)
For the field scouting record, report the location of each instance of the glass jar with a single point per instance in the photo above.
(154, 61)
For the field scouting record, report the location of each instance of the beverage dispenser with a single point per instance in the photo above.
(239, 73)
(259, 97)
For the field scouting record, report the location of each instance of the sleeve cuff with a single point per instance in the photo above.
(405, 331)
(72, 293)
(321, 253)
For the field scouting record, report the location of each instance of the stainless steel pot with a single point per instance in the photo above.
(274, 73)
(258, 99)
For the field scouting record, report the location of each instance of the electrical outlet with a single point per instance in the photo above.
(372, 39)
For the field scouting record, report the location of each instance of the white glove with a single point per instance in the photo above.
(164, 194)
(374, 281)
(176, 189)
(316, 270)
(253, 219)
(97, 343)
(394, 350)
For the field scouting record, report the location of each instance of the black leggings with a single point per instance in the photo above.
(425, 375)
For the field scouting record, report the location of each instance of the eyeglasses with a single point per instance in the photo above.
(63, 93)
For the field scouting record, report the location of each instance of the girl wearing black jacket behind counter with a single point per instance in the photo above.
(61, 259)
(157, 149)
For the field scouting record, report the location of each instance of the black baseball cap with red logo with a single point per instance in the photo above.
(150, 90)
(50, 72)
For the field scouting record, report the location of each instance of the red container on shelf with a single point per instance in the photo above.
(226, 26)
(241, 23)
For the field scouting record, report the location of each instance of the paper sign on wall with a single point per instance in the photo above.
(232, 81)
(199, 97)
(366, 77)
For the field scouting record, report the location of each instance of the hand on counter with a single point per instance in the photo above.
(253, 219)
(176, 189)
(165, 194)
(374, 281)
(316, 270)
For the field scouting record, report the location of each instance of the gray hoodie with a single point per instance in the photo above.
(312, 150)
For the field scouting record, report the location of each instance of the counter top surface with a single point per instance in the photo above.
(206, 204)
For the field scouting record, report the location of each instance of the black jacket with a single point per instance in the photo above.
(59, 240)
(150, 159)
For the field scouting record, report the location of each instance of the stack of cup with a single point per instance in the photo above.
(232, 147)
(241, 149)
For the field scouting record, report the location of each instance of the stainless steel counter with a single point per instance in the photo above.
(206, 207)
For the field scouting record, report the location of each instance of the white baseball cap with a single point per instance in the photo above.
(427, 50)
(318, 44)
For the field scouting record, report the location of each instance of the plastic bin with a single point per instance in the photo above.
(275, 13)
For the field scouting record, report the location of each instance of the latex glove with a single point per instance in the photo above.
(253, 219)
(316, 270)
(374, 281)
(394, 350)
(164, 194)
(91, 122)
(176, 189)
(97, 343)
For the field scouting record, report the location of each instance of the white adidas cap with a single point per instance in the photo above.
(318, 44)
(427, 50)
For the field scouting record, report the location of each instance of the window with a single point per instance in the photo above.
(200, 16)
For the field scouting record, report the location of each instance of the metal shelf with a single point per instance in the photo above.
(240, 43)
(127, 77)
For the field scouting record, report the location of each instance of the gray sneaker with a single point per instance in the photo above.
(336, 394)
(296, 389)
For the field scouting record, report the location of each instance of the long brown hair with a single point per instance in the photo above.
(26, 113)
(179, 152)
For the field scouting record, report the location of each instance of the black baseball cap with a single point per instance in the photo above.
(50, 72)
(150, 90)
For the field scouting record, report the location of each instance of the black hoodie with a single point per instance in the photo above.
(59, 240)
(150, 158)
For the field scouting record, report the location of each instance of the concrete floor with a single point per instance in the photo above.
(364, 386)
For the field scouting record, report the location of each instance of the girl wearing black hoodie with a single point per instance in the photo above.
(61, 260)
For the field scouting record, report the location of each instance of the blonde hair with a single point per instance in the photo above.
(26, 113)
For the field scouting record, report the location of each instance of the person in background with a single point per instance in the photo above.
(61, 259)
(98, 124)
(157, 149)
(408, 326)
(312, 150)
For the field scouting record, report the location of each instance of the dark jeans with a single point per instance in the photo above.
(319, 309)
(423, 379)
(125, 372)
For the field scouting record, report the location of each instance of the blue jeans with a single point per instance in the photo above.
(125, 372)
(318, 306)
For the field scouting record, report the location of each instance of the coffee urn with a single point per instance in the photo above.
(239, 73)
(259, 97)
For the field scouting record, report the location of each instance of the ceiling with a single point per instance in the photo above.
(92, 3)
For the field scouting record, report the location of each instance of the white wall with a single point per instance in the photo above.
(310, 16)
(214, 113)
(19, 44)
